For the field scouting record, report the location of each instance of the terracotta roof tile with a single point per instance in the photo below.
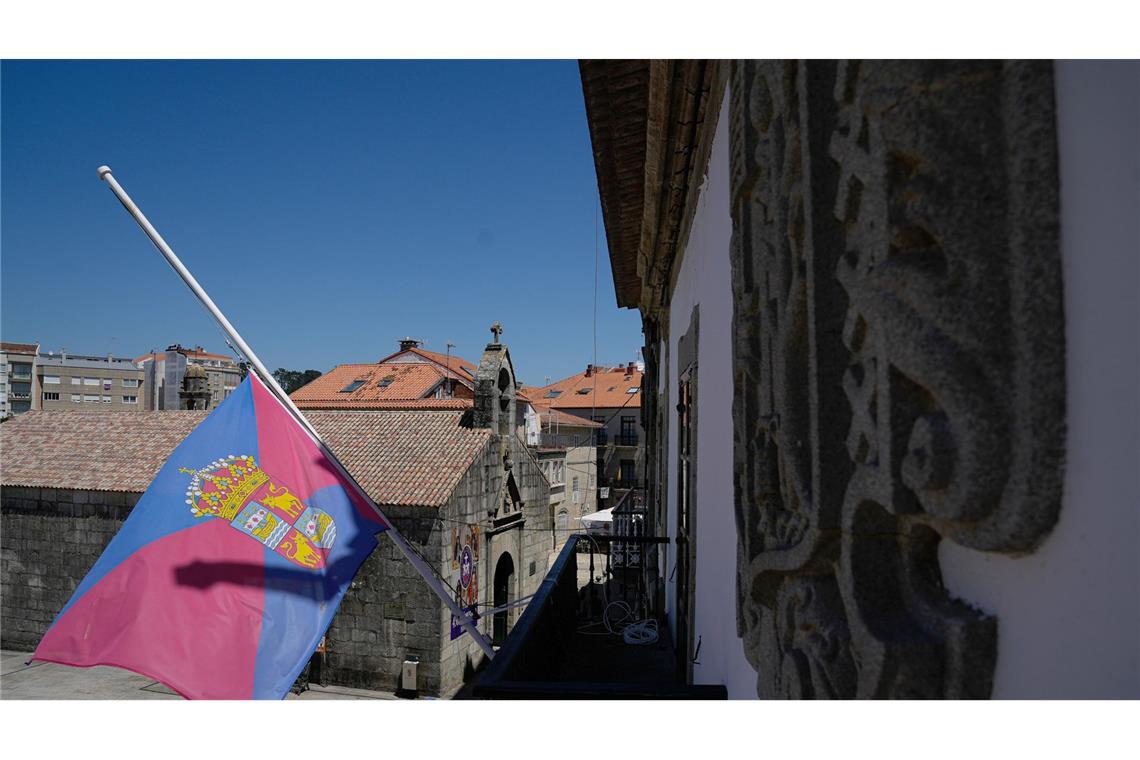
(399, 457)
(378, 382)
(436, 404)
(91, 451)
(551, 416)
(387, 381)
(605, 388)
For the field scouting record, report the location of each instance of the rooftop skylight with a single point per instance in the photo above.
(352, 386)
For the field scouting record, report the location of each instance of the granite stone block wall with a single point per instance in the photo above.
(49, 539)
(389, 614)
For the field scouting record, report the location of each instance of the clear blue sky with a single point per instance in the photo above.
(329, 208)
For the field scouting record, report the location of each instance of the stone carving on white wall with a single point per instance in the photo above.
(899, 361)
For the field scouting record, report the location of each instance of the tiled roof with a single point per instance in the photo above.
(91, 451)
(399, 457)
(605, 388)
(452, 362)
(400, 382)
(550, 416)
(412, 458)
(407, 381)
(19, 348)
(436, 404)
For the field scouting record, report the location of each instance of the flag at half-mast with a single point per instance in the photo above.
(229, 569)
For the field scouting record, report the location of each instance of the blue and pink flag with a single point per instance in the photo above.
(228, 571)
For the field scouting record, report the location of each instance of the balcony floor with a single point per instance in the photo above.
(595, 655)
(600, 657)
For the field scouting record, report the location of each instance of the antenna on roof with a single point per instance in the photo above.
(450, 384)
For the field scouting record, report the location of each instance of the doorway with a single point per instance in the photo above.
(504, 593)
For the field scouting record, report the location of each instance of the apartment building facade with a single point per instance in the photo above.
(105, 383)
(610, 397)
(18, 391)
(567, 456)
(165, 370)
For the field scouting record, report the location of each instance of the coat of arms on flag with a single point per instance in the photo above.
(257, 548)
(236, 490)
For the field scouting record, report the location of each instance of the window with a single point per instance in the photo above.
(628, 435)
(51, 396)
(352, 386)
(385, 382)
(51, 379)
(76, 397)
(107, 383)
(130, 399)
(106, 399)
(633, 389)
(89, 398)
(553, 394)
(90, 381)
(130, 382)
(577, 497)
(556, 473)
(77, 381)
(583, 391)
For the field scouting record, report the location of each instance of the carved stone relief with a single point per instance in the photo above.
(899, 361)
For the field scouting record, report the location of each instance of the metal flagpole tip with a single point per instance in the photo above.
(103, 171)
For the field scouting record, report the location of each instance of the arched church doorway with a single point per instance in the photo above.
(504, 592)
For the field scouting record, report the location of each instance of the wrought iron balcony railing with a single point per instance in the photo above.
(569, 643)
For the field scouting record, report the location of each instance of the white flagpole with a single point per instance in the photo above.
(266, 377)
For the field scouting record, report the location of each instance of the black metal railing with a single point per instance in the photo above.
(625, 439)
(559, 648)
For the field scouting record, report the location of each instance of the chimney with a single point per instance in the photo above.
(589, 369)
(410, 343)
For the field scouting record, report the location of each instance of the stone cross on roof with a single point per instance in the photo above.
(496, 330)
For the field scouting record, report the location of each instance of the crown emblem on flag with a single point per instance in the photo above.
(220, 489)
(235, 489)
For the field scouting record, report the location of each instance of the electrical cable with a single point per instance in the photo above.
(632, 631)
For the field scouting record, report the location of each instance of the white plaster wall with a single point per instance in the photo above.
(705, 280)
(1069, 614)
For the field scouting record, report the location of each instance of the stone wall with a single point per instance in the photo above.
(527, 539)
(389, 614)
(899, 355)
(49, 539)
(52, 537)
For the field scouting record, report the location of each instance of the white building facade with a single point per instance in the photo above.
(881, 374)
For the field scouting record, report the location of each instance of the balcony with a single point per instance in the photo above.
(625, 439)
(562, 647)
